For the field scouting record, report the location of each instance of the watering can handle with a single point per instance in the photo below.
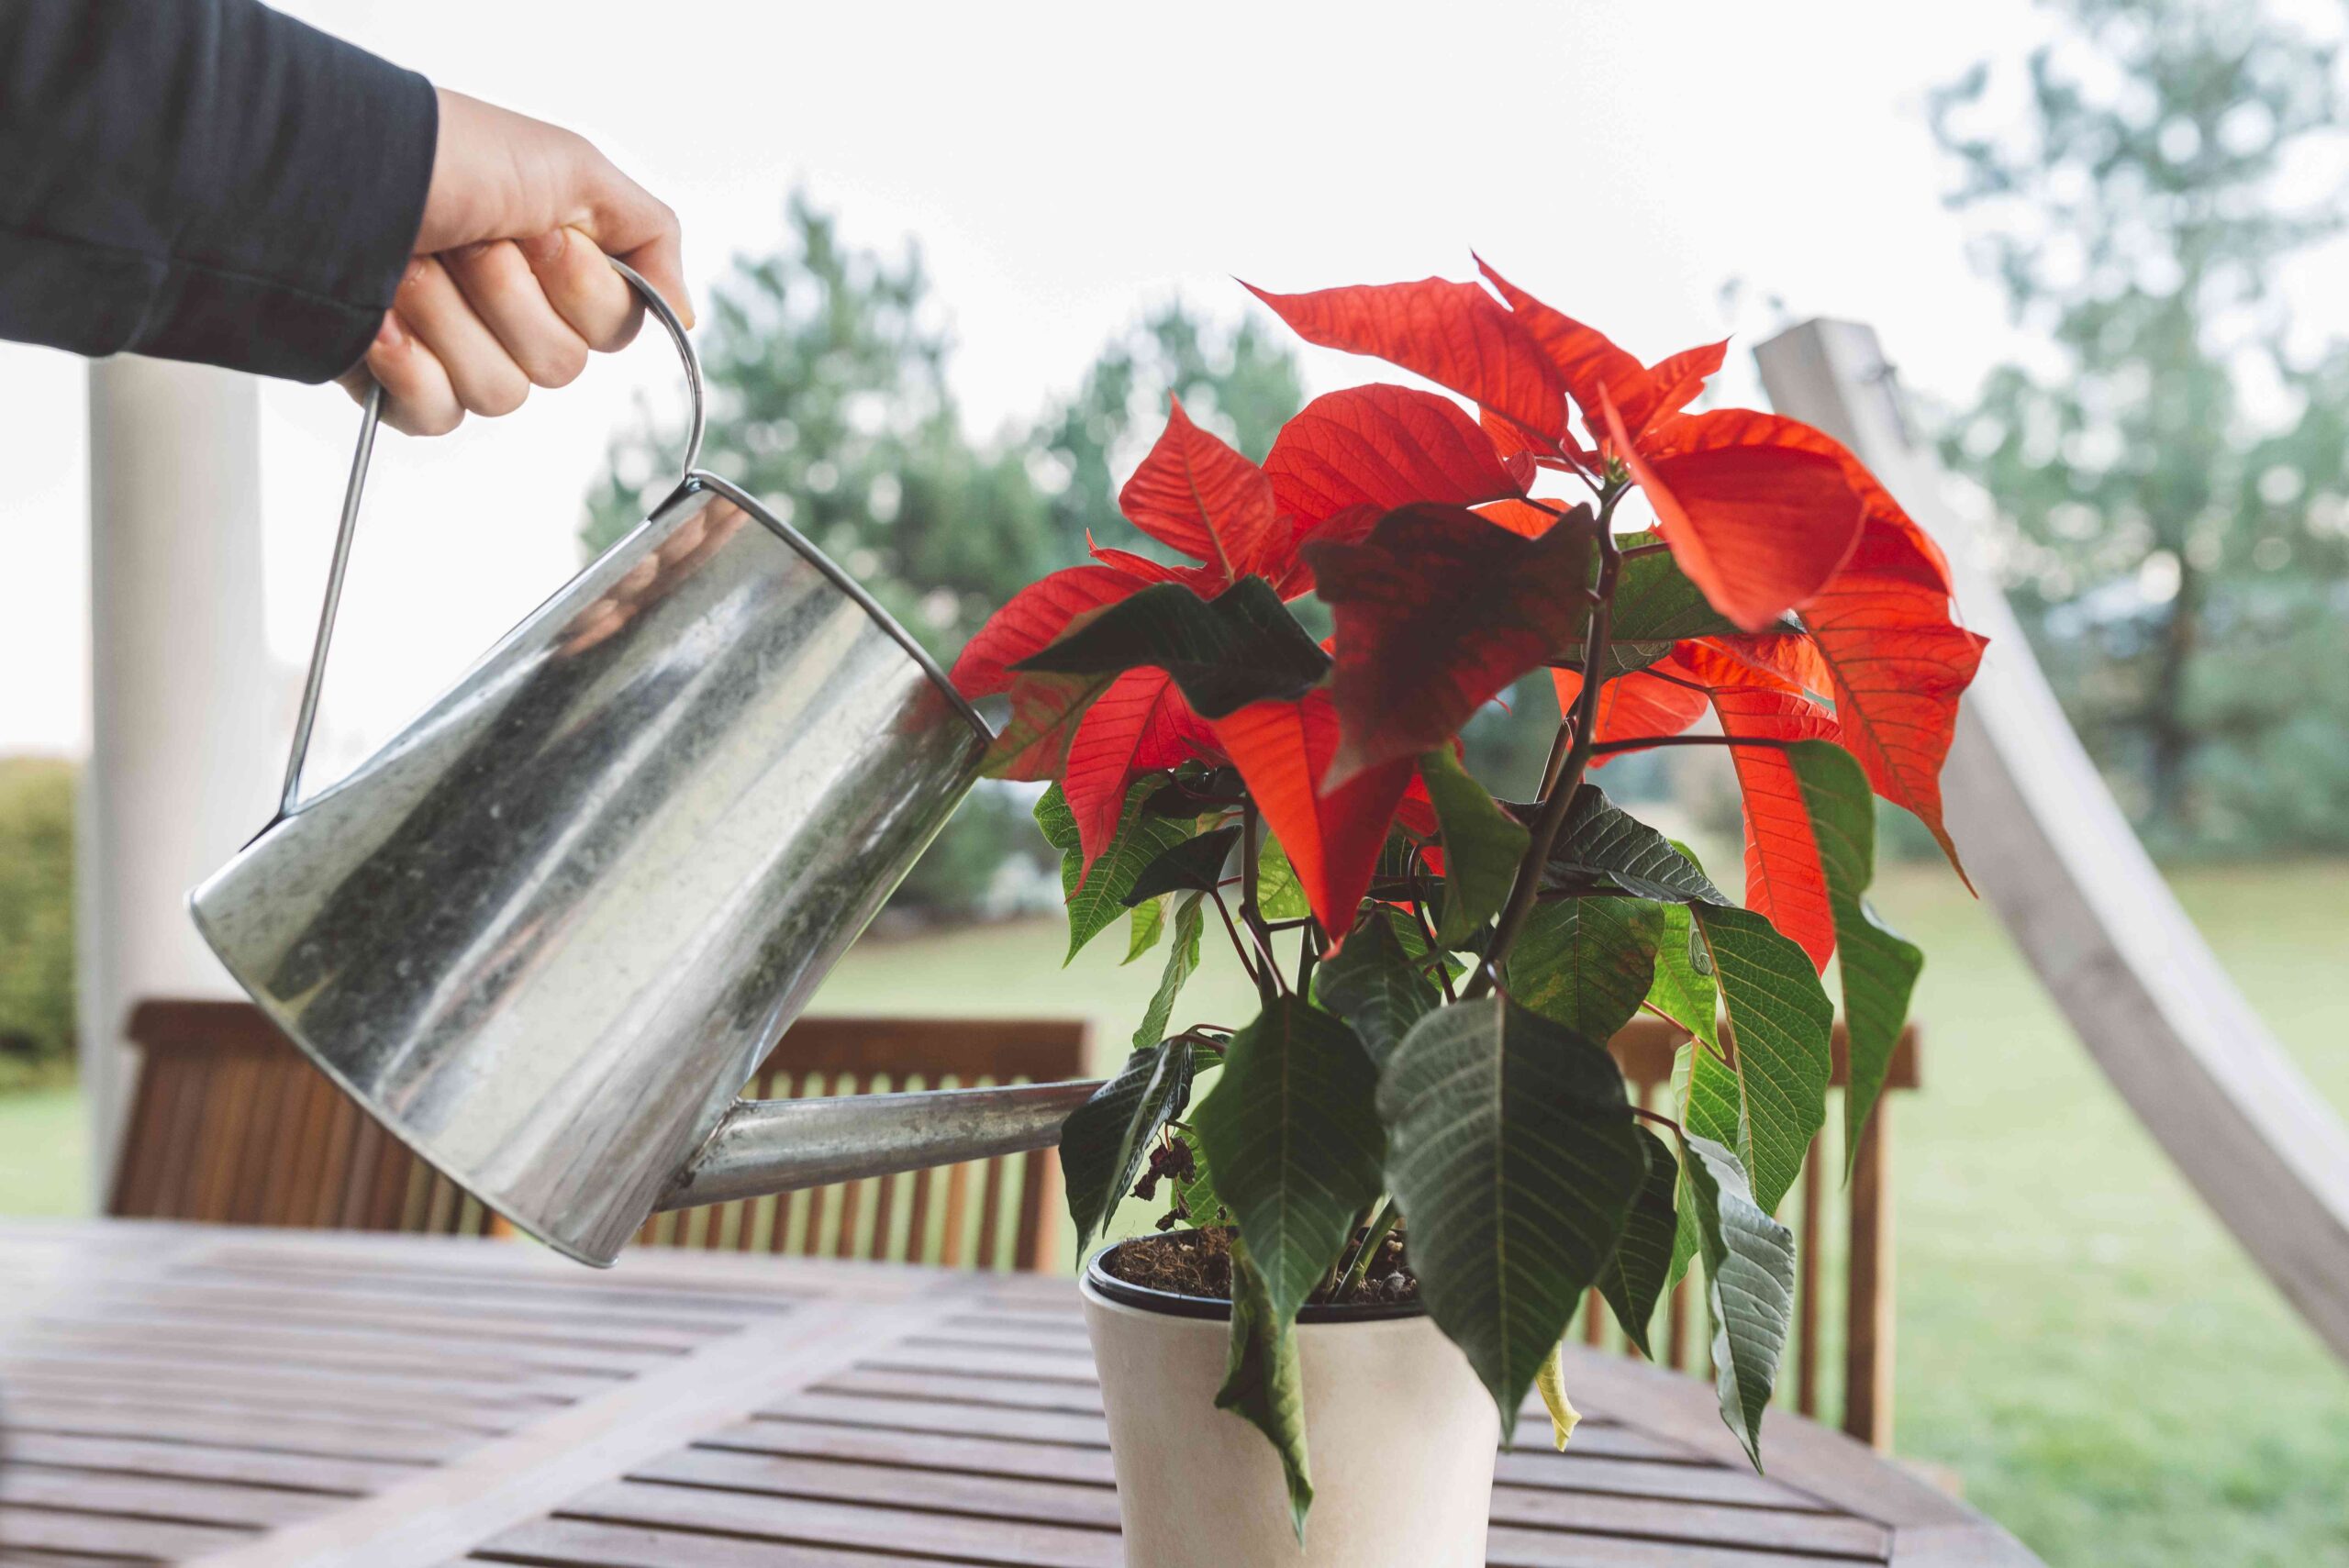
(370, 417)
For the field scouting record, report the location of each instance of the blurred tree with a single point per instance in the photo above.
(35, 920)
(2177, 470)
(829, 400)
(1234, 382)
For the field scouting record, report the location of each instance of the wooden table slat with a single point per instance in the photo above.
(303, 1341)
(1507, 1547)
(148, 1497)
(957, 1538)
(267, 1434)
(214, 1304)
(954, 1363)
(281, 1386)
(1589, 1466)
(46, 1529)
(535, 1300)
(1710, 1524)
(591, 1543)
(187, 1462)
(974, 1387)
(493, 1275)
(887, 1484)
(926, 1416)
(353, 1413)
(458, 1374)
(951, 1453)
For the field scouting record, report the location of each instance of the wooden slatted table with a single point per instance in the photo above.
(174, 1393)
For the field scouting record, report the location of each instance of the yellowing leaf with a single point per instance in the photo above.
(1564, 1417)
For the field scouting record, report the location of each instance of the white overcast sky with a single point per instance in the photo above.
(1065, 167)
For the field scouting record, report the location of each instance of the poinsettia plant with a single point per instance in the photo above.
(1440, 968)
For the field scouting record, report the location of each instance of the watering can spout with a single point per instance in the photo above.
(781, 1146)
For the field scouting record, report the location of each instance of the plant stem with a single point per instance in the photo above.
(1559, 744)
(1263, 987)
(1552, 816)
(1251, 847)
(1372, 1240)
(1639, 549)
(1656, 1117)
(1427, 927)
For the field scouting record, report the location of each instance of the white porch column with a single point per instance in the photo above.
(185, 740)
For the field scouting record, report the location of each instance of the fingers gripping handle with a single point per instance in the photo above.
(370, 417)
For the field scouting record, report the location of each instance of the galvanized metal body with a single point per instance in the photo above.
(550, 930)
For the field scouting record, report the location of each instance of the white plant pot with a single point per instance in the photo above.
(1399, 1435)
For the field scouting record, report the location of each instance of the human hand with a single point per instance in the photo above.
(509, 288)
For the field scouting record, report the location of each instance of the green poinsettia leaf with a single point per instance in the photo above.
(1148, 925)
(1377, 985)
(1240, 647)
(1291, 1130)
(1514, 1157)
(1770, 1096)
(1686, 992)
(1685, 1235)
(1684, 988)
(1195, 865)
(1104, 1140)
(1878, 968)
(1587, 962)
(1749, 1282)
(1262, 1381)
(1279, 896)
(1414, 938)
(1601, 848)
(1101, 897)
(1632, 1281)
(1182, 962)
(1482, 845)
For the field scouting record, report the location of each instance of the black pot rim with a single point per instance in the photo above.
(1218, 1308)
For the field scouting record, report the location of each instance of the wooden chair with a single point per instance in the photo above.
(995, 1213)
(1646, 1047)
(232, 1124)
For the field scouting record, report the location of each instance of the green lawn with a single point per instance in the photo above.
(44, 1153)
(2079, 1340)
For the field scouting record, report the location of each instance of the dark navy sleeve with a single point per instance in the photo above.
(202, 180)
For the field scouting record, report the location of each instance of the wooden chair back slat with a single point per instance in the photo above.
(230, 1123)
(1646, 1048)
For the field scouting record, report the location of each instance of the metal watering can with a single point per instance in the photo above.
(548, 933)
